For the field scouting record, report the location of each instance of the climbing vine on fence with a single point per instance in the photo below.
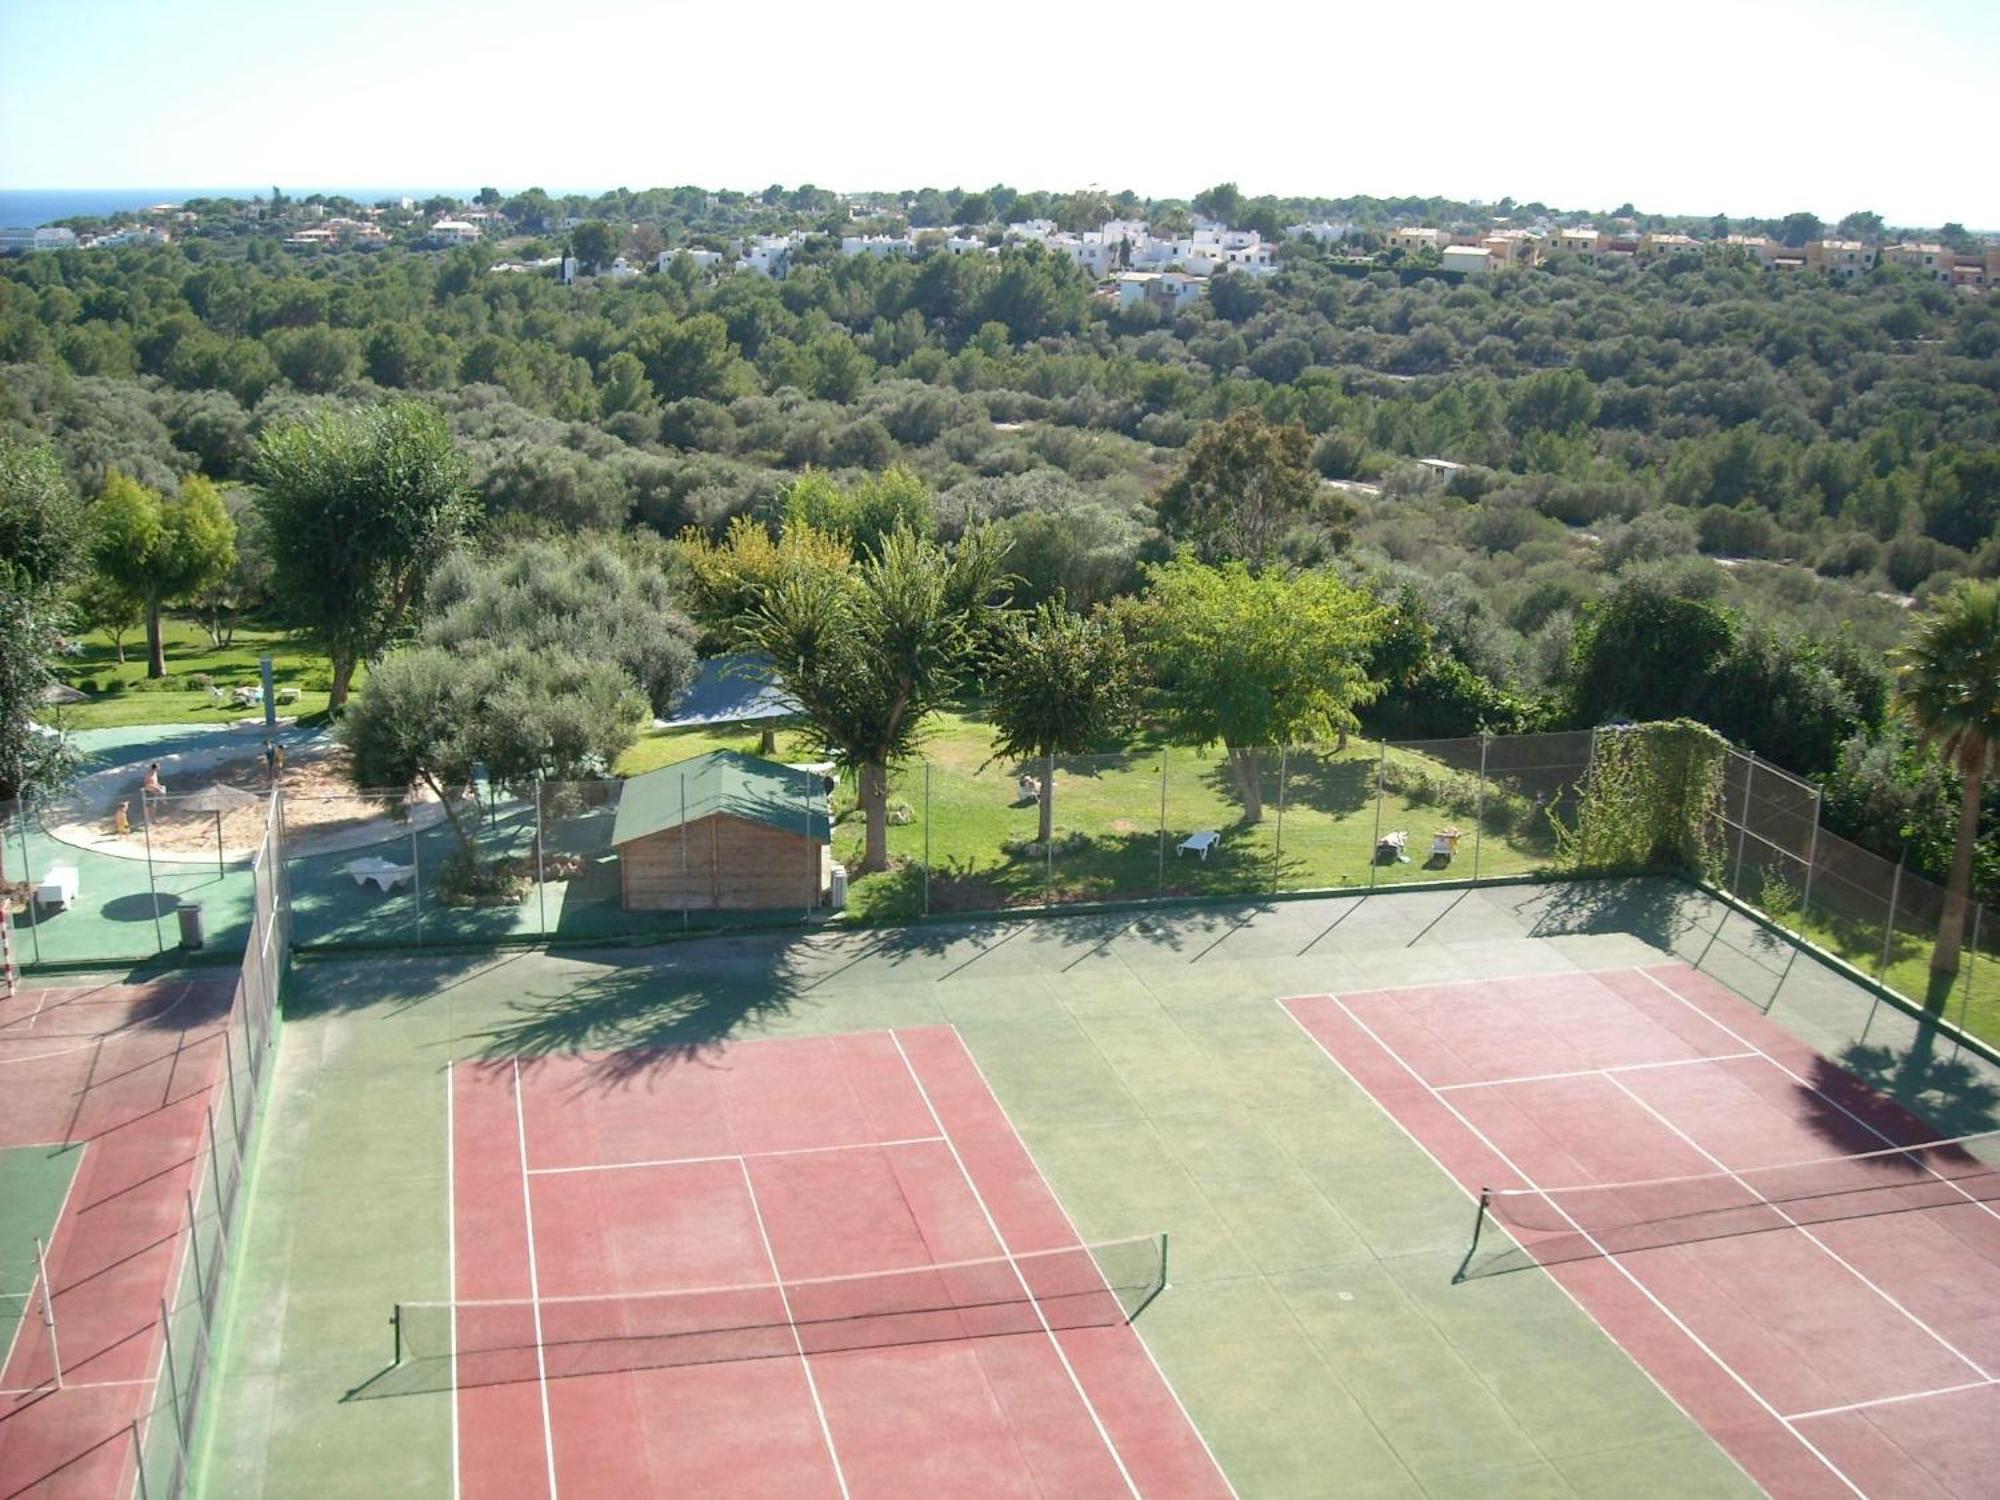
(1651, 800)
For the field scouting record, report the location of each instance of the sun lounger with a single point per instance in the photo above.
(385, 874)
(1200, 843)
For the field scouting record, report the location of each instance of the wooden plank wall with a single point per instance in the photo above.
(721, 862)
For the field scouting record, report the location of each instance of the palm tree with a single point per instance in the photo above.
(1948, 682)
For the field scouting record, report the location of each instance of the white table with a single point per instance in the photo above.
(59, 887)
(386, 874)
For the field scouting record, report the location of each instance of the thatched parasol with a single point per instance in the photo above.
(218, 799)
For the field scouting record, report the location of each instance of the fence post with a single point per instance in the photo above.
(1049, 848)
(1743, 823)
(541, 885)
(215, 1164)
(1278, 840)
(686, 919)
(49, 1309)
(152, 889)
(139, 1460)
(173, 1380)
(1160, 880)
(1812, 863)
(927, 836)
(1889, 927)
(28, 874)
(194, 1244)
(1375, 845)
(1479, 805)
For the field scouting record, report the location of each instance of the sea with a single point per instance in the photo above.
(30, 208)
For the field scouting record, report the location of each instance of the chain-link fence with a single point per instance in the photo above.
(569, 862)
(163, 1438)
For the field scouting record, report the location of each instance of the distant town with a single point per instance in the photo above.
(1167, 261)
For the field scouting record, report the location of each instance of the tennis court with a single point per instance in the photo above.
(813, 1266)
(1724, 1200)
(104, 1093)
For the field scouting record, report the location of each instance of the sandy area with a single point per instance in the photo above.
(319, 798)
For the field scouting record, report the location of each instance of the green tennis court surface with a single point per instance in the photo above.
(34, 1180)
(1312, 1328)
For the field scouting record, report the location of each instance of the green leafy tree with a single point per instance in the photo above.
(98, 603)
(871, 648)
(1060, 683)
(865, 513)
(160, 551)
(1220, 202)
(1244, 487)
(594, 243)
(1256, 659)
(1948, 683)
(360, 507)
(688, 357)
(41, 550)
(1644, 652)
(429, 715)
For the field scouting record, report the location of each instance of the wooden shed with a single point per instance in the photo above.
(723, 831)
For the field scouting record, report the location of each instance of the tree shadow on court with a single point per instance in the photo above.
(1902, 1092)
(1655, 909)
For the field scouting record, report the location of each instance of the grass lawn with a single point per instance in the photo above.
(1120, 816)
(120, 694)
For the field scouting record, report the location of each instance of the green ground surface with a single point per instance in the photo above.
(1312, 1327)
(119, 696)
(34, 1180)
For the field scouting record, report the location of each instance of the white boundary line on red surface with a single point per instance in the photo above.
(451, 1256)
(1678, 1062)
(1943, 1390)
(1049, 1188)
(534, 1284)
(696, 1161)
(798, 1343)
(1881, 1135)
(97, 1038)
(993, 1226)
(1835, 1256)
(49, 1291)
(1610, 1259)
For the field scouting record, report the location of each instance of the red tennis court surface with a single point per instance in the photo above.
(122, 1072)
(768, 1163)
(1830, 1356)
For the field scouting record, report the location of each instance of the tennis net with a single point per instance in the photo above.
(1566, 1223)
(441, 1345)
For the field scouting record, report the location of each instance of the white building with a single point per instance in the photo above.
(704, 260)
(767, 255)
(878, 245)
(49, 237)
(1168, 290)
(1325, 232)
(1473, 260)
(453, 232)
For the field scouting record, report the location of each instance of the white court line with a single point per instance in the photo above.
(48, 1287)
(534, 1284)
(1049, 1188)
(1943, 1390)
(72, 1385)
(451, 1260)
(1881, 1135)
(1679, 1062)
(1838, 1259)
(97, 1038)
(1000, 1239)
(1614, 1261)
(694, 1161)
(785, 1301)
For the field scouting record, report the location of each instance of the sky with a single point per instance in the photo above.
(1745, 107)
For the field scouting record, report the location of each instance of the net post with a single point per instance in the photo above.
(396, 1332)
(49, 1308)
(139, 1460)
(28, 873)
(1478, 1224)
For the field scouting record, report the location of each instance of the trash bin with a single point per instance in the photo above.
(190, 915)
(838, 895)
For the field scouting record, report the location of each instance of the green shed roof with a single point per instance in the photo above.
(723, 781)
